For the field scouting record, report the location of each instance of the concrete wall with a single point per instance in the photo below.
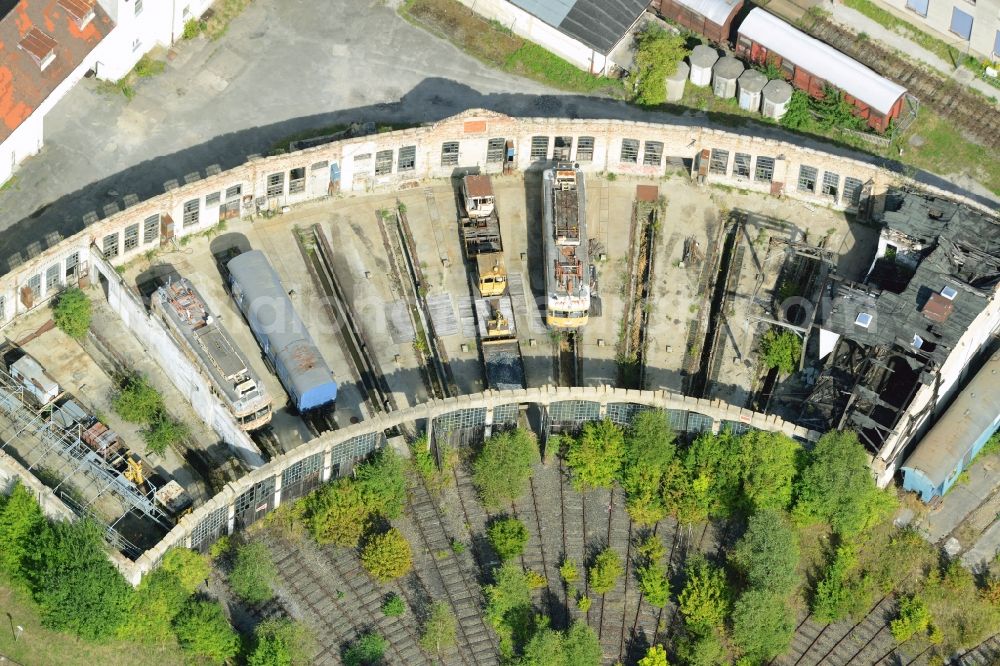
(985, 22)
(195, 387)
(525, 25)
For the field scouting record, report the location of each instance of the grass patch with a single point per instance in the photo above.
(8, 184)
(945, 151)
(889, 20)
(39, 646)
(216, 21)
(494, 44)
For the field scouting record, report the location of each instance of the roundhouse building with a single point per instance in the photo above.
(811, 65)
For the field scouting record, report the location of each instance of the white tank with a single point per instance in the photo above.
(675, 82)
(775, 98)
(725, 73)
(751, 85)
(702, 59)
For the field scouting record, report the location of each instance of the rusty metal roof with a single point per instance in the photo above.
(29, 31)
(78, 9)
(478, 186)
(938, 308)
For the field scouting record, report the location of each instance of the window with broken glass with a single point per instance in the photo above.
(652, 153)
(585, 149)
(741, 165)
(807, 179)
(494, 150)
(765, 169)
(719, 162)
(276, 184)
(383, 162)
(852, 191)
(407, 159)
(630, 151)
(831, 184)
(191, 211)
(150, 229)
(449, 153)
(131, 236)
(110, 246)
(52, 278)
(539, 148)
(297, 180)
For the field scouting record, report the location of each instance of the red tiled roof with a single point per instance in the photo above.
(26, 34)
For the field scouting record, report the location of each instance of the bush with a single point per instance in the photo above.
(508, 607)
(583, 603)
(387, 556)
(701, 648)
(781, 349)
(658, 53)
(603, 575)
(71, 312)
(595, 457)
(762, 625)
(21, 521)
(438, 632)
(192, 28)
(383, 484)
(914, 618)
(769, 467)
(394, 606)
(655, 584)
(164, 432)
(137, 401)
(507, 536)
(655, 656)
(189, 566)
(336, 513)
(504, 466)
(278, 642)
(839, 593)
(768, 554)
(798, 115)
(253, 573)
(202, 629)
(581, 646)
(367, 649)
(568, 572)
(649, 454)
(705, 600)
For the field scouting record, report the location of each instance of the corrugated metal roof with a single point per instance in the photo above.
(599, 24)
(716, 11)
(821, 60)
(974, 412)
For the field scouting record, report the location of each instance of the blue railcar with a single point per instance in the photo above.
(258, 292)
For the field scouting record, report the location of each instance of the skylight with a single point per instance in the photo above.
(864, 320)
(949, 293)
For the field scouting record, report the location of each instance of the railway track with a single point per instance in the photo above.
(342, 601)
(867, 641)
(567, 360)
(947, 97)
(447, 578)
(642, 243)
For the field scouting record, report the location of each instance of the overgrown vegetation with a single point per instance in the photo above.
(595, 457)
(71, 312)
(253, 573)
(439, 630)
(137, 401)
(658, 53)
(781, 349)
(504, 466)
(508, 537)
(366, 650)
(387, 556)
(603, 574)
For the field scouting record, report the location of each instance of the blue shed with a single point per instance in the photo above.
(282, 335)
(952, 443)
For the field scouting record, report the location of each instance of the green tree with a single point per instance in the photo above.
(253, 573)
(158, 600)
(603, 575)
(393, 606)
(278, 642)
(649, 452)
(367, 649)
(382, 483)
(655, 584)
(190, 567)
(21, 521)
(914, 618)
(595, 457)
(841, 592)
(508, 607)
(567, 571)
(77, 588)
(504, 467)
(508, 537)
(798, 115)
(336, 513)
(762, 625)
(701, 647)
(781, 349)
(658, 53)
(768, 554)
(137, 401)
(769, 468)
(581, 646)
(387, 556)
(705, 600)
(836, 486)
(439, 630)
(71, 312)
(712, 481)
(203, 630)
(544, 649)
(656, 655)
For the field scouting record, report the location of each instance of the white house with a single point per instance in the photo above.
(47, 46)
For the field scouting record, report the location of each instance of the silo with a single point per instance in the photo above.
(702, 58)
(675, 82)
(775, 98)
(751, 84)
(725, 73)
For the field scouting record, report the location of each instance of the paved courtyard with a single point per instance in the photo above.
(280, 68)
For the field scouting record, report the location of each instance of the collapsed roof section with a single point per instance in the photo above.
(936, 267)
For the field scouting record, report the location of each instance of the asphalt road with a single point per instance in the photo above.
(280, 68)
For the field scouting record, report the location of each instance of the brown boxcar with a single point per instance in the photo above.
(711, 18)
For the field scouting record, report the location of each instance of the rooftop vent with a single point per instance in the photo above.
(935, 213)
(864, 320)
(82, 11)
(917, 341)
(39, 46)
(949, 292)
